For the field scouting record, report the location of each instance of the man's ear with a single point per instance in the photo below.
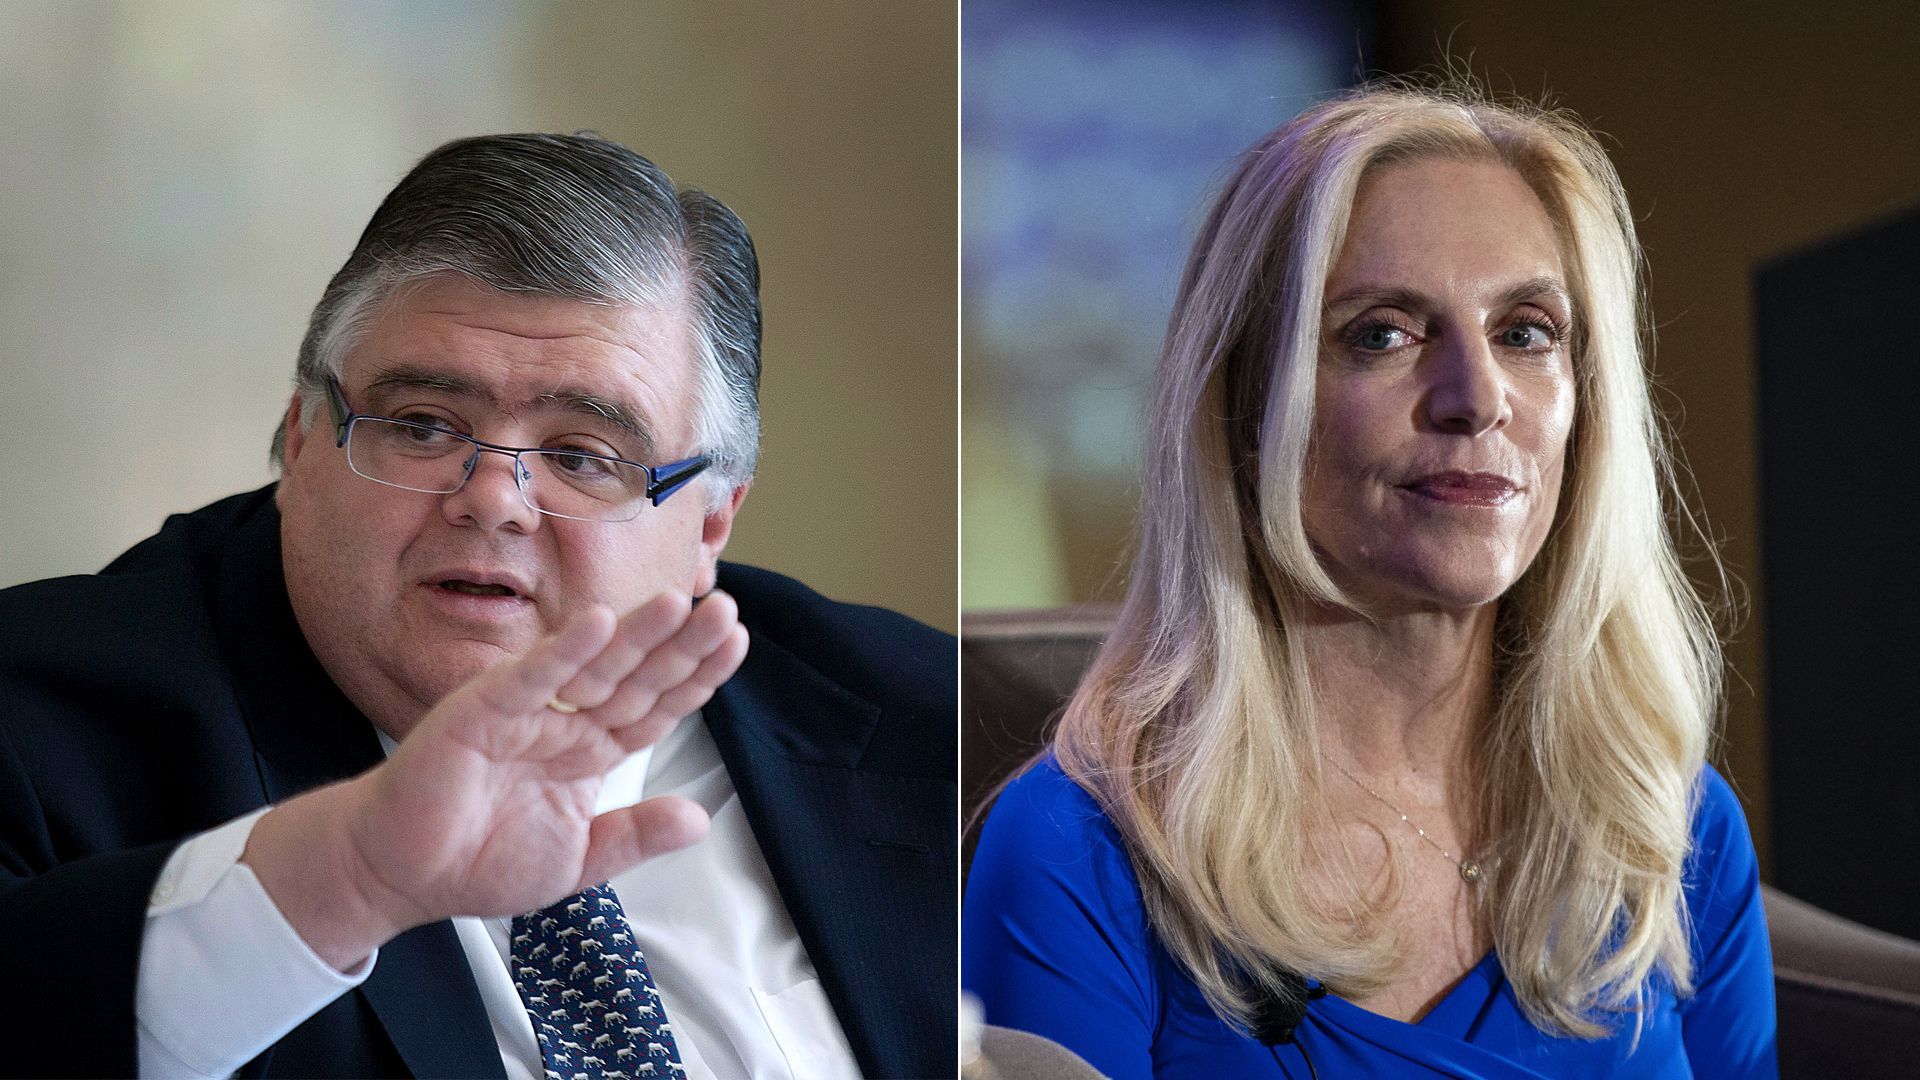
(293, 437)
(296, 436)
(715, 529)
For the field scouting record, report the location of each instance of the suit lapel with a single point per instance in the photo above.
(424, 994)
(306, 733)
(849, 850)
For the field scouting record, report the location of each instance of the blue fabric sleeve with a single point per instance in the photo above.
(1054, 938)
(1728, 1023)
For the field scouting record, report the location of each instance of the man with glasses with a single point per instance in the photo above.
(582, 482)
(358, 774)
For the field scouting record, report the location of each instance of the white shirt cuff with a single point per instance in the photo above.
(223, 975)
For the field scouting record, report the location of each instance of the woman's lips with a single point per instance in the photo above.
(1465, 489)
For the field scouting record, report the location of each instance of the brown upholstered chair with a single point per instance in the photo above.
(1848, 995)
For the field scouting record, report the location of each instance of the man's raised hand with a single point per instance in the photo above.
(487, 807)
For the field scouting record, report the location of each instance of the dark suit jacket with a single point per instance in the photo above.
(173, 692)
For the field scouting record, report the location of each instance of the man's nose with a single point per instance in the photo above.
(1467, 391)
(491, 499)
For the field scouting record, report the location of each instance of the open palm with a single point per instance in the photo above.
(487, 807)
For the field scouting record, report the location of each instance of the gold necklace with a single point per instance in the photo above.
(1469, 869)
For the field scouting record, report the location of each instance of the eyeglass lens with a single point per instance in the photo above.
(418, 457)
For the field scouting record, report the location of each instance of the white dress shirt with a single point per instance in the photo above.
(223, 975)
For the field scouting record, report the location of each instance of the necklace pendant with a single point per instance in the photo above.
(1470, 872)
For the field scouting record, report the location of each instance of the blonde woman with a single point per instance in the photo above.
(1395, 762)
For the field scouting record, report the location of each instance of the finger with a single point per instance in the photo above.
(638, 633)
(528, 682)
(673, 662)
(620, 839)
(677, 659)
(680, 701)
(717, 668)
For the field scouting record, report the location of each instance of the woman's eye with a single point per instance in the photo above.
(1527, 336)
(1380, 337)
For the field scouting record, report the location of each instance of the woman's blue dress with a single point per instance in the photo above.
(1056, 942)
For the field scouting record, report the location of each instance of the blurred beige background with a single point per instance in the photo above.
(180, 179)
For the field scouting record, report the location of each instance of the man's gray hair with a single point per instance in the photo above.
(576, 216)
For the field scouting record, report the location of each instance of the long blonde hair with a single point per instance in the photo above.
(1195, 727)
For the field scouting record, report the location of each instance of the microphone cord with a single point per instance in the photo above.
(1312, 1073)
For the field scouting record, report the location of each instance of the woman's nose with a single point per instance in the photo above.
(1467, 391)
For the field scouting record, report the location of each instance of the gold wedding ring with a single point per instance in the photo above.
(565, 708)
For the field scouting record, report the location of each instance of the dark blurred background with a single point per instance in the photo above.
(1752, 139)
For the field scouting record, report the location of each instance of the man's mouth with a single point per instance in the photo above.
(474, 588)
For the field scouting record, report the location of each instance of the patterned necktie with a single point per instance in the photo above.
(586, 987)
